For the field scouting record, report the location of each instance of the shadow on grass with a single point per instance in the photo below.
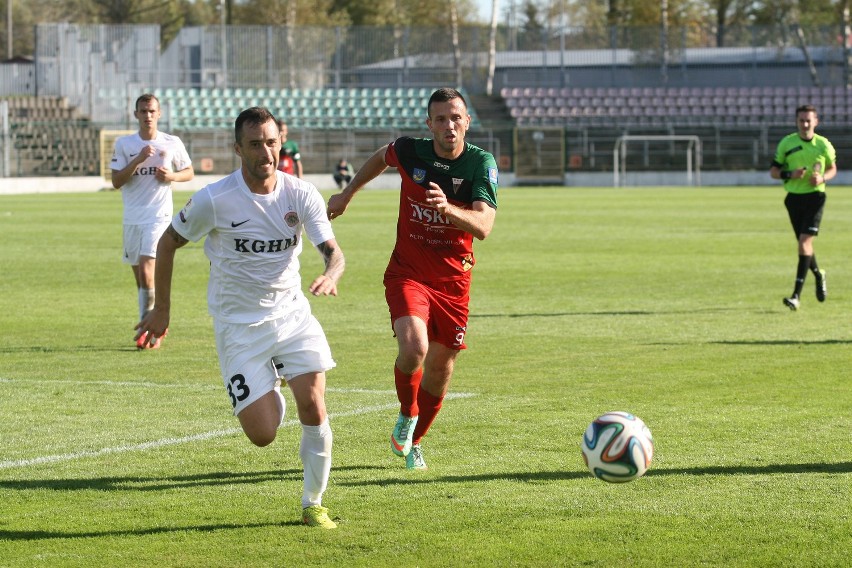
(613, 313)
(49, 535)
(123, 483)
(162, 483)
(69, 349)
(783, 342)
(538, 476)
(562, 314)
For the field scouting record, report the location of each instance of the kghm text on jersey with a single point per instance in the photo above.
(257, 246)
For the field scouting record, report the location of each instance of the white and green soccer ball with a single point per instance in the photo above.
(618, 447)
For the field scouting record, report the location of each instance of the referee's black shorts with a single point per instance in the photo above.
(805, 211)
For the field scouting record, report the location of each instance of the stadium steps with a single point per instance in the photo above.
(317, 109)
(52, 138)
(654, 106)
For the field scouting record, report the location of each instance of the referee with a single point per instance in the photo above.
(804, 161)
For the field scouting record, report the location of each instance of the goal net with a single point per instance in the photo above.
(669, 152)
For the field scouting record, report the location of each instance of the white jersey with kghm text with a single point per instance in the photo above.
(146, 200)
(253, 243)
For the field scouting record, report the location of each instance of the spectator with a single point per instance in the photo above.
(343, 173)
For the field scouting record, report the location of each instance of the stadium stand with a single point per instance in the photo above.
(657, 106)
(319, 109)
(52, 138)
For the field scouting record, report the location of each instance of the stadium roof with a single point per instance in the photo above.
(607, 57)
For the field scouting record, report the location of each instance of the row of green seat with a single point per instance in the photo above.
(422, 93)
(302, 108)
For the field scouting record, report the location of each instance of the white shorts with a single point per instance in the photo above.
(252, 357)
(141, 240)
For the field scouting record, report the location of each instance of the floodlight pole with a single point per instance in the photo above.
(9, 46)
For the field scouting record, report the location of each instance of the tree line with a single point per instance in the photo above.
(17, 35)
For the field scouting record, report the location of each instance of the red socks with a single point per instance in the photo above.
(429, 406)
(414, 401)
(407, 387)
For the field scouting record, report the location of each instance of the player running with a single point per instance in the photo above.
(144, 165)
(448, 197)
(253, 221)
(804, 161)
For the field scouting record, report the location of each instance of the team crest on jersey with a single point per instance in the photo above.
(467, 262)
(492, 175)
(418, 175)
(291, 219)
(457, 184)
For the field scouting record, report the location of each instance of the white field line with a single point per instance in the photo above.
(155, 444)
(147, 384)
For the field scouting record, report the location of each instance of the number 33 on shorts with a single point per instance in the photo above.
(238, 390)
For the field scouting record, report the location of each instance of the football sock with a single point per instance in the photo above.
(407, 387)
(801, 274)
(315, 451)
(813, 266)
(429, 406)
(146, 301)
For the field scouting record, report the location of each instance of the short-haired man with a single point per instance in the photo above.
(804, 161)
(144, 165)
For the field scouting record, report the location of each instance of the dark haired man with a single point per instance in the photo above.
(265, 332)
(448, 197)
(804, 161)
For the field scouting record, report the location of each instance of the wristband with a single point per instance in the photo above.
(786, 174)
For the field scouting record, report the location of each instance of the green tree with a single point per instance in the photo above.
(289, 12)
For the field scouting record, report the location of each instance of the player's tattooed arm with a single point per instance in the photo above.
(179, 239)
(333, 257)
(326, 283)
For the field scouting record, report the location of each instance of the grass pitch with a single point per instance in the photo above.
(662, 302)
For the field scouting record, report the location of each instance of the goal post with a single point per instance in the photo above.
(692, 150)
(107, 144)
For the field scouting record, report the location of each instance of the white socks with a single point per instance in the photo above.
(315, 451)
(146, 301)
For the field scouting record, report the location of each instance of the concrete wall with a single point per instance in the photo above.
(11, 186)
(324, 182)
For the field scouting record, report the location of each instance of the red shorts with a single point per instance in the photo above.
(442, 305)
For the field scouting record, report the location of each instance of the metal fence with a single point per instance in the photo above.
(86, 62)
(100, 70)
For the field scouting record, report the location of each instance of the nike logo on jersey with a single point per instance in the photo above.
(240, 223)
(131, 155)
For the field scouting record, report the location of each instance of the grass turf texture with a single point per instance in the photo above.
(662, 302)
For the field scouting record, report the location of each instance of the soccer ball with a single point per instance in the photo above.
(618, 447)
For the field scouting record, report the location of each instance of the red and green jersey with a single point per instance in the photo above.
(429, 248)
(288, 156)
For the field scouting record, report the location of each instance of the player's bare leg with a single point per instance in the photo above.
(437, 372)
(143, 273)
(413, 342)
(260, 419)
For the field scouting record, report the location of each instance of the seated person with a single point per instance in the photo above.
(343, 173)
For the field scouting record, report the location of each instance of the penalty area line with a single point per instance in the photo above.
(156, 444)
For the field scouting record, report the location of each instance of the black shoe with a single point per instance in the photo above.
(821, 290)
(792, 303)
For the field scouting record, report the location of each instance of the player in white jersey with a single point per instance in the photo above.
(144, 165)
(253, 221)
